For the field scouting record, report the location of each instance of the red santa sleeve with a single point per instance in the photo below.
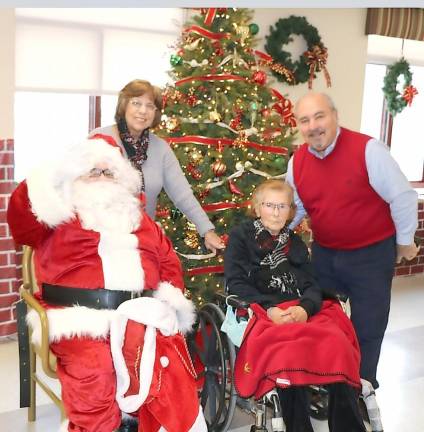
(25, 227)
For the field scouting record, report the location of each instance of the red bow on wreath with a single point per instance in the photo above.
(316, 59)
(409, 93)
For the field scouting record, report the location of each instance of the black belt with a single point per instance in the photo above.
(93, 298)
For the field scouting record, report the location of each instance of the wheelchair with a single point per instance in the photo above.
(214, 356)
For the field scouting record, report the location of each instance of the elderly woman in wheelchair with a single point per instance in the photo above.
(97, 253)
(296, 335)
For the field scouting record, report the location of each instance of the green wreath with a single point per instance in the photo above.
(279, 36)
(395, 100)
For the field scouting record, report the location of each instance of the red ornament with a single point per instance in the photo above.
(192, 100)
(219, 51)
(204, 193)
(219, 168)
(259, 77)
(224, 239)
(234, 189)
(235, 122)
(162, 212)
(194, 172)
(265, 112)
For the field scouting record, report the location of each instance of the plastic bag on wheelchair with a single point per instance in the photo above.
(234, 327)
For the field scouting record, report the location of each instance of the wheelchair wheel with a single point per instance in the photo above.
(211, 349)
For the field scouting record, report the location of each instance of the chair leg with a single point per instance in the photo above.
(32, 401)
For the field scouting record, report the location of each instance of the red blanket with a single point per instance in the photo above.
(323, 350)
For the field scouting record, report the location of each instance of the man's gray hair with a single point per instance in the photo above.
(330, 101)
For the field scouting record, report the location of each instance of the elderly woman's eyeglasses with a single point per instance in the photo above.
(97, 172)
(272, 206)
(138, 105)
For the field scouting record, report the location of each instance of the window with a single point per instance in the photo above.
(403, 131)
(67, 57)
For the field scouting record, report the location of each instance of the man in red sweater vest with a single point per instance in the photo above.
(363, 215)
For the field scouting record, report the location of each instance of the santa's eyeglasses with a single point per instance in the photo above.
(97, 172)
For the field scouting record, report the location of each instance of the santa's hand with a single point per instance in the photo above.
(408, 252)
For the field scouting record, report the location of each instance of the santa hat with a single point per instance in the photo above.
(50, 185)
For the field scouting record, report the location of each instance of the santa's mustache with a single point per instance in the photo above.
(106, 204)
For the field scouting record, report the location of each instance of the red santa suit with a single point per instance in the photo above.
(126, 256)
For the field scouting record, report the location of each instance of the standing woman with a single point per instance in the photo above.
(138, 109)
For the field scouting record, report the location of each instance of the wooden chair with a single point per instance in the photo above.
(48, 359)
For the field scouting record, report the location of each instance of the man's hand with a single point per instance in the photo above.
(290, 315)
(213, 241)
(409, 252)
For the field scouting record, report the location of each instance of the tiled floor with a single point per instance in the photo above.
(401, 374)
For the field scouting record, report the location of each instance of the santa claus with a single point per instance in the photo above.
(113, 288)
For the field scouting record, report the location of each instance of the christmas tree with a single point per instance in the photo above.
(228, 128)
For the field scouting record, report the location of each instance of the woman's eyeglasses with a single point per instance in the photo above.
(137, 105)
(97, 172)
(272, 206)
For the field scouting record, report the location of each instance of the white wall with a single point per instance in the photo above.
(7, 71)
(343, 32)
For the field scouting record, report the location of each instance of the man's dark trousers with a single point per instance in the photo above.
(365, 276)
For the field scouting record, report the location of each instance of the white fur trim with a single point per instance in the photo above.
(184, 307)
(70, 322)
(121, 261)
(50, 202)
(50, 185)
(64, 426)
(200, 424)
(151, 312)
(117, 337)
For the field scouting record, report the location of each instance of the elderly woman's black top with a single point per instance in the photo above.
(246, 278)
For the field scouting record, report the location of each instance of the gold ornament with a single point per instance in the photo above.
(171, 124)
(218, 168)
(215, 116)
(241, 140)
(191, 239)
(243, 31)
(195, 157)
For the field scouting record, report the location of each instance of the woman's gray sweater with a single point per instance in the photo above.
(162, 170)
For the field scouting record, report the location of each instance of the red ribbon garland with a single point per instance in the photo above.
(219, 77)
(210, 16)
(219, 142)
(409, 93)
(204, 270)
(207, 33)
(225, 206)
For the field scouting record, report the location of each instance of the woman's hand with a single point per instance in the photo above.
(292, 314)
(213, 241)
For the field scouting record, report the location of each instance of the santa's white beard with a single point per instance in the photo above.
(104, 205)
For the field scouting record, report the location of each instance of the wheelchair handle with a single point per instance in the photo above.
(231, 300)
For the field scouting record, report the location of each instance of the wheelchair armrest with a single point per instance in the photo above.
(44, 350)
(231, 300)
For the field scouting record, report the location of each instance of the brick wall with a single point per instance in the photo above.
(10, 258)
(416, 265)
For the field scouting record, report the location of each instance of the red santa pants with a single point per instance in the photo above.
(87, 376)
(172, 402)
